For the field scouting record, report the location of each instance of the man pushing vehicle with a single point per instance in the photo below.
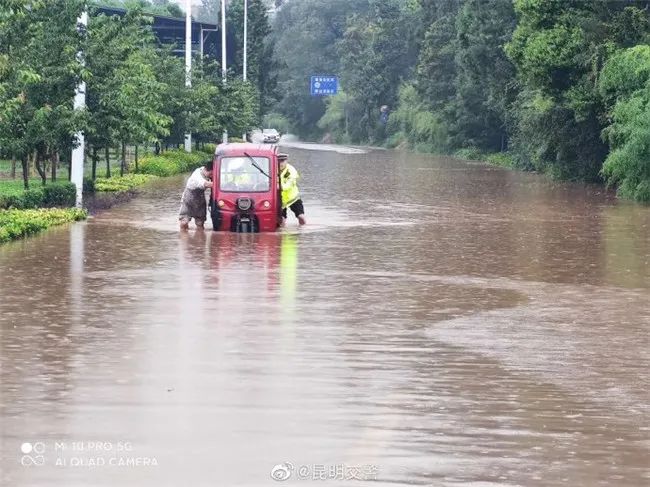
(193, 203)
(290, 193)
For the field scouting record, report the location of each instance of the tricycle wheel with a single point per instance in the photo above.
(215, 215)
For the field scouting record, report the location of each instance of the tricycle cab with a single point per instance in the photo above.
(245, 188)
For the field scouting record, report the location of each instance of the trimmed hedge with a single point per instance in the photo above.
(15, 224)
(172, 162)
(208, 149)
(122, 183)
(61, 194)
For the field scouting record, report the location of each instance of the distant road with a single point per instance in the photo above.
(289, 140)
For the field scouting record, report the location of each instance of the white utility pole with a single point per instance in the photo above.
(77, 162)
(223, 54)
(245, 46)
(188, 60)
(245, 35)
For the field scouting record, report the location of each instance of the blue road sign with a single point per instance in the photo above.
(324, 85)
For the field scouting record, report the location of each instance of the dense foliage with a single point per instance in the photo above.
(559, 86)
(136, 91)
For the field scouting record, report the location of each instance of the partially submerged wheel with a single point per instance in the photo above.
(215, 215)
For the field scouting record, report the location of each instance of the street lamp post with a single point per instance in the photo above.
(223, 55)
(245, 35)
(77, 162)
(188, 61)
(245, 46)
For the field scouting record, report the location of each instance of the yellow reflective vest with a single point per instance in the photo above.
(289, 185)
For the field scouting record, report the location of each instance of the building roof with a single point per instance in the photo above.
(170, 30)
(162, 19)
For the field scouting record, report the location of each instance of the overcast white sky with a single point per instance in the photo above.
(182, 2)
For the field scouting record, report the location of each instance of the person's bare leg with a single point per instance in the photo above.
(200, 224)
(301, 219)
(184, 224)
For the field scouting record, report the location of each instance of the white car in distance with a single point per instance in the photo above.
(270, 136)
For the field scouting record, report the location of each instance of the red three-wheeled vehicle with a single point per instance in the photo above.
(246, 188)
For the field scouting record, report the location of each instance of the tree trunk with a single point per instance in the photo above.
(94, 166)
(108, 161)
(25, 163)
(13, 167)
(55, 163)
(136, 158)
(39, 168)
(123, 159)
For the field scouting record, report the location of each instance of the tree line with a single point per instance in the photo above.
(558, 86)
(135, 87)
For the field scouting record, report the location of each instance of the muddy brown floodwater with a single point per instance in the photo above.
(437, 323)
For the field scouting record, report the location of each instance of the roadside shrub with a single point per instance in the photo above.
(16, 224)
(209, 149)
(50, 195)
(89, 185)
(398, 139)
(502, 159)
(122, 183)
(157, 166)
(469, 153)
(172, 162)
(64, 194)
(414, 125)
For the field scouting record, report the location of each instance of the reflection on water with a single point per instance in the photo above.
(436, 323)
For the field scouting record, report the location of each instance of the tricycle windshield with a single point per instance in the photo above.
(245, 174)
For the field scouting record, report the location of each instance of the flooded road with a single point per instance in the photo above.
(436, 323)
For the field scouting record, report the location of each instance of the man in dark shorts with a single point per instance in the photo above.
(290, 193)
(193, 203)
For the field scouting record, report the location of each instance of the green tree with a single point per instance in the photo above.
(377, 53)
(436, 68)
(625, 85)
(559, 48)
(136, 96)
(305, 35)
(415, 125)
(111, 51)
(335, 121)
(39, 72)
(484, 85)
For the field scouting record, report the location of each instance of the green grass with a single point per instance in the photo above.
(15, 224)
(13, 187)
